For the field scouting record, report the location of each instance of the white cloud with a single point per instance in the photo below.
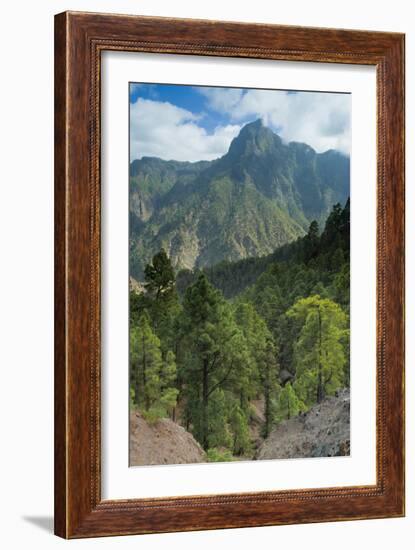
(163, 130)
(320, 119)
(222, 99)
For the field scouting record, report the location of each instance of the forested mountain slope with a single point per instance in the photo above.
(231, 278)
(282, 341)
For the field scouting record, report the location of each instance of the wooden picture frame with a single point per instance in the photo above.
(79, 40)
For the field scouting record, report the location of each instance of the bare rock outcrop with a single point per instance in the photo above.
(321, 432)
(163, 442)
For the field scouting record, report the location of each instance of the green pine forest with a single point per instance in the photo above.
(207, 342)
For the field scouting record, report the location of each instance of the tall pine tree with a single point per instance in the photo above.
(216, 353)
(319, 353)
(146, 363)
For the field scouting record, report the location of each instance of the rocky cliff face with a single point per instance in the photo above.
(321, 432)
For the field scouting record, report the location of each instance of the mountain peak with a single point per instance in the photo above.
(254, 128)
(255, 124)
(254, 138)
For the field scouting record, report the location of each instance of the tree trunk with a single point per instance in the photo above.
(137, 385)
(144, 375)
(205, 401)
(320, 386)
(267, 412)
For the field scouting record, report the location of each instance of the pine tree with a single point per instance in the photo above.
(159, 276)
(311, 242)
(289, 404)
(138, 303)
(168, 380)
(146, 363)
(263, 365)
(241, 438)
(271, 387)
(319, 353)
(341, 287)
(161, 299)
(256, 334)
(219, 435)
(331, 236)
(216, 355)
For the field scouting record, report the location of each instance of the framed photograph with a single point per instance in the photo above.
(229, 275)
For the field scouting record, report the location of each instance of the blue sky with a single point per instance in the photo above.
(186, 97)
(198, 123)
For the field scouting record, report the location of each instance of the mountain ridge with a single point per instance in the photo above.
(262, 194)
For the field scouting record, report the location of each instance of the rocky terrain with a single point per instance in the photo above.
(323, 431)
(163, 442)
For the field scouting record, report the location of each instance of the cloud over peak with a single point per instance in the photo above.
(319, 119)
(203, 128)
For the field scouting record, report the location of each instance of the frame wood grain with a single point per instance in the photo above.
(79, 40)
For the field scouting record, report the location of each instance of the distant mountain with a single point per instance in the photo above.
(261, 194)
(232, 278)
